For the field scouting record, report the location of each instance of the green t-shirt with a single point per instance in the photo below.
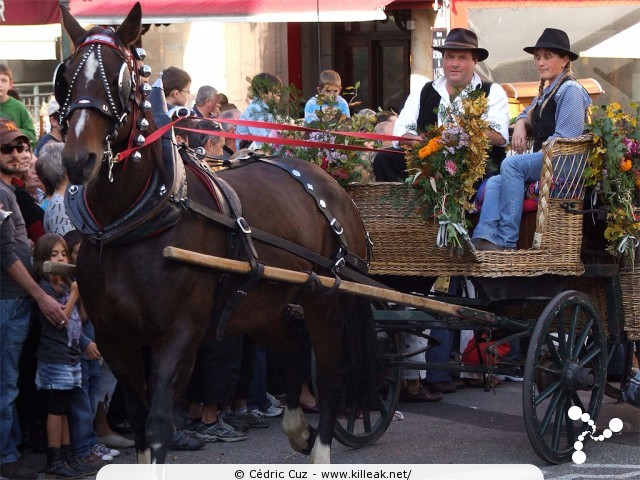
(16, 111)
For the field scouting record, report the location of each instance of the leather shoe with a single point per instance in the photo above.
(421, 396)
(442, 387)
(483, 245)
(458, 383)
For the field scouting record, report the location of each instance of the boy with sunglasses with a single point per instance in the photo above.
(13, 109)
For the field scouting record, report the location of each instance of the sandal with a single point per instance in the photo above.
(421, 396)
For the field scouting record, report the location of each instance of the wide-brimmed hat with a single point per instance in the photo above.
(554, 39)
(462, 39)
(9, 131)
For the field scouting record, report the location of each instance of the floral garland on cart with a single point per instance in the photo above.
(614, 171)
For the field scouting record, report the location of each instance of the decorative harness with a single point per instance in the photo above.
(153, 212)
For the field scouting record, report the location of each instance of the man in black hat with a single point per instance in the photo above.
(16, 286)
(422, 109)
(425, 107)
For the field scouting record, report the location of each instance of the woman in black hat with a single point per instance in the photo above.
(559, 110)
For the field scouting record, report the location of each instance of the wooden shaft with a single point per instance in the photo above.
(298, 278)
(57, 268)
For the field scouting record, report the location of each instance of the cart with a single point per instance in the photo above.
(570, 302)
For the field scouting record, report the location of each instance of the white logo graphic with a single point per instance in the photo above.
(575, 413)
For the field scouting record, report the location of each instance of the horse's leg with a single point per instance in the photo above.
(172, 364)
(329, 384)
(127, 365)
(301, 436)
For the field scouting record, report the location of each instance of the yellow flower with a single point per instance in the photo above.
(430, 148)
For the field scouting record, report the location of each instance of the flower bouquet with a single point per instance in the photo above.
(447, 164)
(614, 171)
(346, 166)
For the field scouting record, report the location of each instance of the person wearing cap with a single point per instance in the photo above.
(426, 107)
(16, 287)
(559, 111)
(55, 133)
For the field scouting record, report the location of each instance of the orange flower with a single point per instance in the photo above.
(637, 181)
(430, 148)
(625, 165)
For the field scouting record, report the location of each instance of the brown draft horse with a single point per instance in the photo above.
(136, 298)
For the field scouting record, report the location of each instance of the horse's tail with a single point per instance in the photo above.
(360, 353)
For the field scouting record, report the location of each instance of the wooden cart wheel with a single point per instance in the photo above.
(358, 427)
(565, 367)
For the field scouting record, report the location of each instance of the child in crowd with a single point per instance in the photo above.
(265, 91)
(328, 99)
(14, 109)
(59, 370)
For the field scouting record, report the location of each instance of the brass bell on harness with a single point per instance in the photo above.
(139, 140)
(145, 89)
(136, 156)
(140, 53)
(143, 124)
(146, 105)
(144, 71)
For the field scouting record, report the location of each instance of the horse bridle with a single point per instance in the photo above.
(127, 93)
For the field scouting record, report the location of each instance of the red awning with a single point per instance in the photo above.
(171, 11)
(29, 12)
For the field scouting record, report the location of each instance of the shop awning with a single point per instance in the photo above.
(625, 44)
(29, 12)
(173, 11)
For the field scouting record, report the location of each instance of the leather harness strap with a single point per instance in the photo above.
(284, 244)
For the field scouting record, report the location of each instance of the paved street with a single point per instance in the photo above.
(469, 426)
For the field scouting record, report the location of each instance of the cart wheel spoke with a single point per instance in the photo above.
(547, 392)
(551, 410)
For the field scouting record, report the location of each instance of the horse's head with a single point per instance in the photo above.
(102, 101)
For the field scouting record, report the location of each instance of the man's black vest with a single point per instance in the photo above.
(428, 115)
(543, 124)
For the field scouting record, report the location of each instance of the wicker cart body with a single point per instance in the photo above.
(537, 293)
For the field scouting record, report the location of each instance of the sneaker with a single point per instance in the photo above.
(191, 424)
(253, 420)
(102, 452)
(183, 440)
(271, 412)
(220, 432)
(235, 421)
(274, 401)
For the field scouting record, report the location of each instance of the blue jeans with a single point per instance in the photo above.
(82, 409)
(502, 208)
(15, 314)
(439, 354)
(258, 387)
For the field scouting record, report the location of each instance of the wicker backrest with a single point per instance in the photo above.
(561, 181)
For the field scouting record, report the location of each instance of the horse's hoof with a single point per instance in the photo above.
(311, 440)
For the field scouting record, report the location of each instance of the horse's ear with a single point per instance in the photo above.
(71, 25)
(131, 29)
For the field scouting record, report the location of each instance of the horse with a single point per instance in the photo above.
(139, 300)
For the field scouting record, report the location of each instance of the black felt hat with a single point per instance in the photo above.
(554, 39)
(462, 39)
